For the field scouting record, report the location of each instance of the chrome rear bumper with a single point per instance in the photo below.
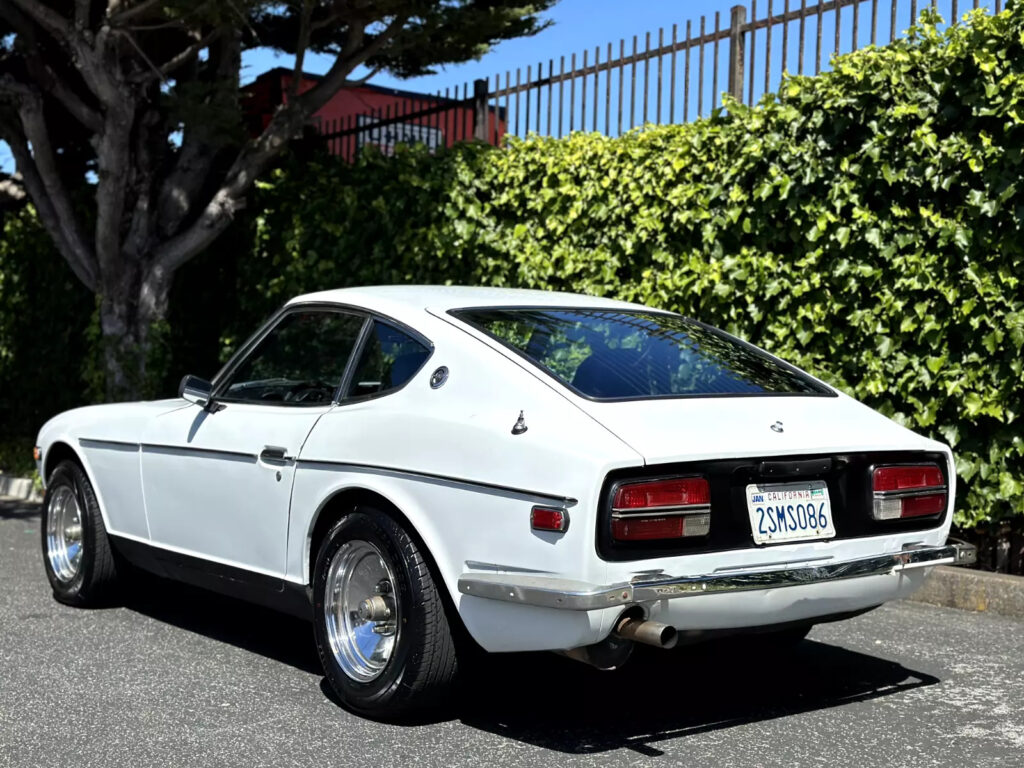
(554, 592)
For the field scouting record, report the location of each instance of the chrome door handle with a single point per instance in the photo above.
(274, 453)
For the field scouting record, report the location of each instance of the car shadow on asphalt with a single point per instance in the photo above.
(256, 629)
(559, 704)
(14, 509)
(555, 703)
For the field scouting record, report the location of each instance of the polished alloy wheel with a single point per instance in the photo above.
(64, 533)
(361, 610)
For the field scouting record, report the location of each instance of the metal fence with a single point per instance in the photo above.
(672, 75)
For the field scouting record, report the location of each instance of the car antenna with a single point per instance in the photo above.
(520, 426)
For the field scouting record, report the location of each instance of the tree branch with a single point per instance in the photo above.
(113, 154)
(142, 178)
(45, 17)
(23, 15)
(51, 83)
(153, 68)
(63, 231)
(254, 158)
(300, 48)
(200, 145)
(363, 80)
(21, 24)
(310, 101)
(117, 17)
(184, 57)
(82, 14)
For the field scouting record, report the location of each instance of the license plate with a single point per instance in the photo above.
(790, 512)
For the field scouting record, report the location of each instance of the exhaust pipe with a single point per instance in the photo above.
(614, 650)
(647, 632)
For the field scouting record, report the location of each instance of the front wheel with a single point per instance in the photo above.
(76, 552)
(379, 619)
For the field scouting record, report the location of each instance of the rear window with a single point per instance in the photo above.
(617, 355)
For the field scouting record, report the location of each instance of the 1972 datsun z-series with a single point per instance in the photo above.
(408, 466)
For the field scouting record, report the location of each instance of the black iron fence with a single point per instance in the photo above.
(672, 75)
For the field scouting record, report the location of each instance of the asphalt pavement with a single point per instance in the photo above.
(178, 677)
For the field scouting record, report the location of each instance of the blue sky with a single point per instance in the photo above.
(583, 24)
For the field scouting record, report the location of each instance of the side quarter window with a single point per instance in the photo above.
(389, 359)
(300, 362)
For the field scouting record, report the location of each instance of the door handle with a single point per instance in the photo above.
(274, 453)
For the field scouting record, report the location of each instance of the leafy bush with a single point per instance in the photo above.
(44, 313)
(16, 457)
(865, 224)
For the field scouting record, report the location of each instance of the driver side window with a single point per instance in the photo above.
(300, 362)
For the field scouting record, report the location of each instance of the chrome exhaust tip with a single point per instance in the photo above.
(615, 650)
(647, 632)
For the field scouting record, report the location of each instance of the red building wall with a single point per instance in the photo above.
(354, 106)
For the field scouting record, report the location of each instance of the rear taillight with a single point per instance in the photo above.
(903, 491)
(672, 508)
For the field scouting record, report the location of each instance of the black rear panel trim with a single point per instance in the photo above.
(848, 476)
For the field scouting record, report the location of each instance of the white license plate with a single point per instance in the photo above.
(790, 512)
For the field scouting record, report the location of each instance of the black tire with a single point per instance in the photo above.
(94, 581)
(422, 668)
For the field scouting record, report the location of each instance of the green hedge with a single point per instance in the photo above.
(864, 224)
(44, 312)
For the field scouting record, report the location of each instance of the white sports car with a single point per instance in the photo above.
(418, 468)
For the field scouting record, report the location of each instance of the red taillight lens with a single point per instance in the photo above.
(908, 491)
(907, 478)
(677, 492)
(920, 506)
(648, 528)
(661, 509)
(549, 519)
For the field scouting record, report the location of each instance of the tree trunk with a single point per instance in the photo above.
(133, 313)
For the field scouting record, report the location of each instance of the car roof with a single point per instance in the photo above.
(401, 301)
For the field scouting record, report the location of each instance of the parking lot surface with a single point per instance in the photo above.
(179, 677)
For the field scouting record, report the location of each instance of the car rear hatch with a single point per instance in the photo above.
(690, 428)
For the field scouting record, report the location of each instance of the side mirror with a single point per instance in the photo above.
(195, 390)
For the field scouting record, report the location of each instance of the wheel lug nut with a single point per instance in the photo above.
(374, 608)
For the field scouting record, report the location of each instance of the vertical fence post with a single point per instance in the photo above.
(480, 93)
(737, 49)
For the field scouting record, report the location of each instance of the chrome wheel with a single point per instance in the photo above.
(361, 610)
(64, 533)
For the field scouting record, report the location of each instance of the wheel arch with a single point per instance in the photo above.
(343, 500)
(60, 450)
(404, 510)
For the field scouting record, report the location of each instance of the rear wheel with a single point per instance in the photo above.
(379, 619)
(76, 552)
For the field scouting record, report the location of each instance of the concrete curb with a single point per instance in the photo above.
(971, 590)
(20, 488)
